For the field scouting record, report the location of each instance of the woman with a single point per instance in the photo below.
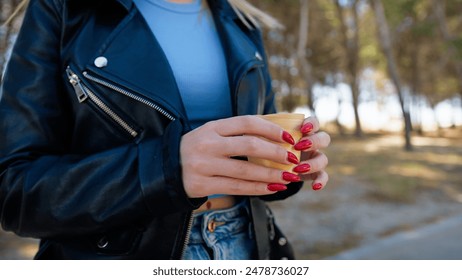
(119, 139)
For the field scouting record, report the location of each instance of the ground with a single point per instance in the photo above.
(376, 189)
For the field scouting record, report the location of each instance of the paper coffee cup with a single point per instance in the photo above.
(291, 123)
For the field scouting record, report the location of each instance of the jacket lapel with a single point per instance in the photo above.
(127, 4)
(241, 54)
(136, 61)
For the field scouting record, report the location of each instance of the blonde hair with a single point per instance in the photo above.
(251, 16)
(16, 11)
(247, 13)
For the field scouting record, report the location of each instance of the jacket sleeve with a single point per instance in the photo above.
(45, 190)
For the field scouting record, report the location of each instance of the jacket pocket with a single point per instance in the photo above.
(84, 94)
(133, 96)
(121, 243)
(117, 242)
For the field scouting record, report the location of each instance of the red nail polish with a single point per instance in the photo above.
(302, 168)
(277, 187)
(288, 138)
(292, 158)
(287, 176)
(308, 127)
(317, 186)
(303, 145)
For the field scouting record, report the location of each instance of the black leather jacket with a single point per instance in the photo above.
(90, 126)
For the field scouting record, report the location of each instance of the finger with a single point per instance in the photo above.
(313, 142)
(310, 125)
(248, 171)
(306, 155)
(252, 146)
(250, 125)
(320, 180)
(318, 162)
(233, 186)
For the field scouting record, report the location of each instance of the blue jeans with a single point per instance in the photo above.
(222, 235)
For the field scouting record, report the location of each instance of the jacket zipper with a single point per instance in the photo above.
(188, 234)
(83, 93)
(130, 95)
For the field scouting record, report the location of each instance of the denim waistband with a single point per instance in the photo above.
(212, 226)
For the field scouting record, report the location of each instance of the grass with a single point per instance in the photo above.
(394, 174)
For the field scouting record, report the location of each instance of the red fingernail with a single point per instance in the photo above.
(317, 186)
(303, 145)
(277, 187)
(287, 176)
(302, 168)
(292, 158)
(307, 128)
(288, 138)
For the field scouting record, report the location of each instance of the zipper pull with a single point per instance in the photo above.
(75, 82)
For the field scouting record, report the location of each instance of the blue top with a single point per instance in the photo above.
(188, 37)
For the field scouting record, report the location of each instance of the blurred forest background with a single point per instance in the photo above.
(359, 64)
(398, 62)
(385, 79)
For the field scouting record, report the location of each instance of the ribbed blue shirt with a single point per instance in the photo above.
(187, 34)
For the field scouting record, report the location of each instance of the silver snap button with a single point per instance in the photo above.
(102, 243)
(100, 62)
(258, 56)
(282, 241)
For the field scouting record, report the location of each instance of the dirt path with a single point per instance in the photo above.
(321, 224)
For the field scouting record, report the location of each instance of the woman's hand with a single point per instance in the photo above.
(208, 167)
(313, 162)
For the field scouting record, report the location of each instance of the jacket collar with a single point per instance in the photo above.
(127, 4)
(221, 6)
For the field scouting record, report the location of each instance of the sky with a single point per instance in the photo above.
(382, 113)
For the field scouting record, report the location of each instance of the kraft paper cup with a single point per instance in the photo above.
(290, 123)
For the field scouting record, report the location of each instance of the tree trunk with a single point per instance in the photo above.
(306, 68)
(385, 42)
(415, 82)
(439, 9)
(351, 47)
(340, 127)
(456, 102)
